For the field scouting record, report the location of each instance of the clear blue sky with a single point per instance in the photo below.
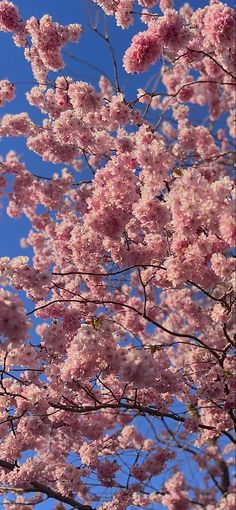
(13, 67)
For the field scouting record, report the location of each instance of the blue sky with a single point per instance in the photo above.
(13, 67)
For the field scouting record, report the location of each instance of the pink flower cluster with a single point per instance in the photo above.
(121, 9)
(7, 92)
(14, 324)
(153, 465)
(144, 51)
(35, 283)
(146, 47)
(48, 38)
(177, 497)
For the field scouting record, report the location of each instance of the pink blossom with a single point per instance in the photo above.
(219, 24)
(7, 91)
(14, 324)
(123, 13)
(147, 3)
(145, 50)
(177, 498)
(9, 17)
(127, 372)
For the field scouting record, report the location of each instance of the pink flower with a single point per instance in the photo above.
(145, 50)
(14, 324)
(148, 3)
(7, 91)
(220, 25)
(123, 13)
(9, 17)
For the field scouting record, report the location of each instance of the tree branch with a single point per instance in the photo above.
(43, 489)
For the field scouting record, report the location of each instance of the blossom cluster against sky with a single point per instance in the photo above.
(90, 50)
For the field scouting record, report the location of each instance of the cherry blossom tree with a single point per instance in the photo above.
(121, 371)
